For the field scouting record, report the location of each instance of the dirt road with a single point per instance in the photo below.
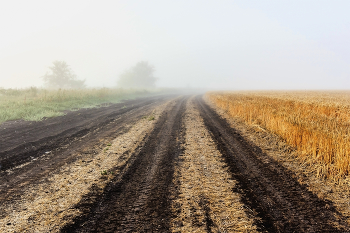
(37, 148)
(160, 164)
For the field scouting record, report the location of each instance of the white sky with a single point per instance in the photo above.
(272, 44)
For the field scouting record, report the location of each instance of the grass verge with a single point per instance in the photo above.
(34, 104)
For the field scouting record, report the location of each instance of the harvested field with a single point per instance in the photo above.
(157, 164)
(316, 123)
(273, 191)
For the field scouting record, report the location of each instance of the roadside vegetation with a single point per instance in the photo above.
(317, 124)
(65, 91)
(33, 104)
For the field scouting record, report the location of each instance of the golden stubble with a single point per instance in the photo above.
(306, 169)
(205, 185)
(316, 123)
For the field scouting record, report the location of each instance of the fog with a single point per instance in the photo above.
(299, 44)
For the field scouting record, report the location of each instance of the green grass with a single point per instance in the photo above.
(104, 173)
(34, 104)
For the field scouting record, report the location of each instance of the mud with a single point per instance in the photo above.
(32, 150)
(272, 191)
(22, 141)
(139, 199)
(48, 205)
(205, 202)
(188, 171)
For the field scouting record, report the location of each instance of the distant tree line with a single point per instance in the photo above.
(60, 75)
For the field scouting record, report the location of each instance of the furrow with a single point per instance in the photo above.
(49, 205)
(206, 202)
(138, 200)
(267, 187)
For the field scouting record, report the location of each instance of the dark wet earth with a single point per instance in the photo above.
(139, 198)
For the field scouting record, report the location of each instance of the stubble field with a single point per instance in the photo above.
(179, 163)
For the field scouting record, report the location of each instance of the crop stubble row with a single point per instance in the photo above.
(316, 123)
(178, 173)
(205, 202)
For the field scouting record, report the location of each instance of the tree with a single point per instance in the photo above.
(138, 76)
(62, 76)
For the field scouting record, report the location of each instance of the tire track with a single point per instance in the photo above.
(49, 204)
(205, 202)
(22, 141)
(281, 202)
(139, 201)
(88, 131)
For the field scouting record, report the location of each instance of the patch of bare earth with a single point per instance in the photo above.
(206, 202)
(307, 173)
(139, 198)
(50, 205)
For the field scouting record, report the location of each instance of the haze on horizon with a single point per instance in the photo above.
(299, 44)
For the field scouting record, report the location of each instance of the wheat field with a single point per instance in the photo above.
(316, 123)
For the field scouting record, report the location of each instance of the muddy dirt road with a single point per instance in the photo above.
(159, 164)
(37, 148)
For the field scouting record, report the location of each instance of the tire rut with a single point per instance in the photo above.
(63, 147)
(24, 141)
(282, 203)
(205, 201)
(139, 201)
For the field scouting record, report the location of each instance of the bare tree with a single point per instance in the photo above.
(62, 76)
(139, 76)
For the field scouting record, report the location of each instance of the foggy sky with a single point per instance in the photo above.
(273, 44)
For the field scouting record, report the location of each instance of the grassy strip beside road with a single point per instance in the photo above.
(34, 104)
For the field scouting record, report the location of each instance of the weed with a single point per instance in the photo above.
(104, 172)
